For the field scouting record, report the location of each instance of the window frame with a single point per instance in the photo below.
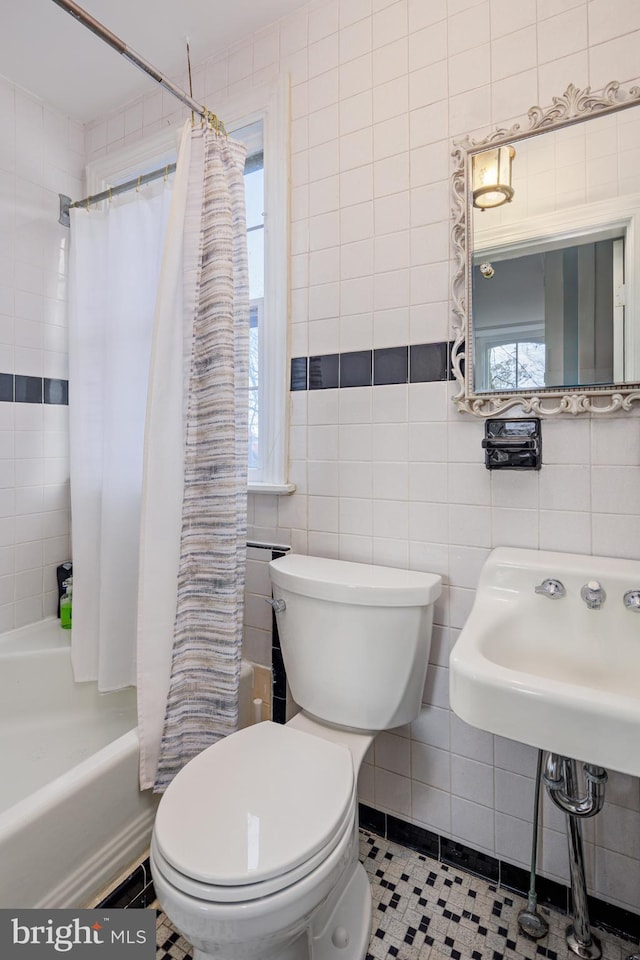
(268, 103)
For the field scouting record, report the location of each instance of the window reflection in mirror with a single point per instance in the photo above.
(549, 315)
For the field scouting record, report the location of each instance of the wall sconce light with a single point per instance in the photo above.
(491, 177)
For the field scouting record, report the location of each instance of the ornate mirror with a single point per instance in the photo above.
(546, 233)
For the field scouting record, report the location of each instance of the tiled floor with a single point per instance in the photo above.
(425, 910)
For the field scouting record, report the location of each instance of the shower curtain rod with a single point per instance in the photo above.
(120, 46)
(66, 203)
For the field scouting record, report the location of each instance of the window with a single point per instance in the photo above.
(255, 324)
(260, 119)
(252, 136)
(515, 366)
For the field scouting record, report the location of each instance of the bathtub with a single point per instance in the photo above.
(72, 817)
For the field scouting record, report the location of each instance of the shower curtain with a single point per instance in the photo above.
(186, 575)
(189, 643)
(116, 255)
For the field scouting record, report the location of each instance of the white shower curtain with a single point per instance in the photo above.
(115, 264)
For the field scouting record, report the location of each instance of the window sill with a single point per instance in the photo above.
(279, 489)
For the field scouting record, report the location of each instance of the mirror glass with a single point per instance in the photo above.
(548, 287)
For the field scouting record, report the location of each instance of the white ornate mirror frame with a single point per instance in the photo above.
(573, 106)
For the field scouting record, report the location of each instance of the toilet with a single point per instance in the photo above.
(254, 853)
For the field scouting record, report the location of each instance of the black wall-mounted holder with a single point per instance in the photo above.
(512, 444)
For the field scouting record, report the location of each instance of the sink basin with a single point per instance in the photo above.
(552, 672)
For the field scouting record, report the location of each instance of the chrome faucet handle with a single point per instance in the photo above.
(632, 600)
(551, 588)
(593, 594)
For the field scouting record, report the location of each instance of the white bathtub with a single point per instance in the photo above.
(72, 817)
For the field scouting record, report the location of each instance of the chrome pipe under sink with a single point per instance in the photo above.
(561, 781)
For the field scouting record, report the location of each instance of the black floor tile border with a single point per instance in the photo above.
(460, 855)
(416, 838)
(415, 363)
(17, 388)
(613, 919)
(549, 892)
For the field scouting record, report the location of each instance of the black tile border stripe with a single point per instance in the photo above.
(356, 368)
(609, 917)
(18, 388)
(390, 365)
(27, 389)
(56, 391)
(6, 387)
(324, 371)
(415, 363)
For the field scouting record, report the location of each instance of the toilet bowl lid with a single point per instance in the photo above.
(254, 805)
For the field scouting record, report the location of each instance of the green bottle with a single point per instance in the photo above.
(65, 604)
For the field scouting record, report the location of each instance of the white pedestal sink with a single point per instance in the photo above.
(552, 672)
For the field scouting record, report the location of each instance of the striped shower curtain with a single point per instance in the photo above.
(194, 516)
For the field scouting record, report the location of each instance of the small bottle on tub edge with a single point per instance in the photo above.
(66, 604)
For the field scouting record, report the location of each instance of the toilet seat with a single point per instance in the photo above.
(254, 813)
(244, 894)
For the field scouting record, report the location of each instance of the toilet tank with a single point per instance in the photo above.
(355, 638)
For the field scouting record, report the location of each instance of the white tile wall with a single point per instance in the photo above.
(41, 155)
(394, 474)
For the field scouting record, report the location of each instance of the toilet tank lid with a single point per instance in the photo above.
(344, 581)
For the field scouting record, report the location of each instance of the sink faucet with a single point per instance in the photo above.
(551, 588)
(593, 594)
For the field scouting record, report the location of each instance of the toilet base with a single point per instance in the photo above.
(341, 929)
(299, 950)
